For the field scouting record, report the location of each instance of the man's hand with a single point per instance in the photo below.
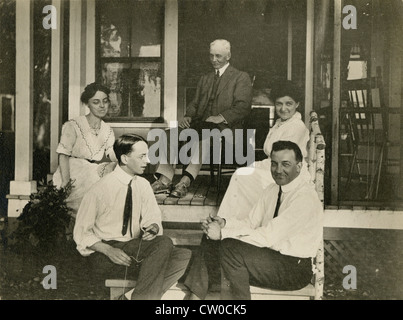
(151, 232)
(185, 123)
(212, 226)
(118, 256)
(215, 119)
(221, 221)
(214, 231)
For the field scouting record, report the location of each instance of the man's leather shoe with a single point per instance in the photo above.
(159, 187)
(180, 190)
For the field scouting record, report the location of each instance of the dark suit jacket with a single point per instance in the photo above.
(233, 99)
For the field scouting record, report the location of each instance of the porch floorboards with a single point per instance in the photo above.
(201, 192)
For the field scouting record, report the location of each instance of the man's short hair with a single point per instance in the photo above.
(225, 44)
(287, 145)
(123, 144)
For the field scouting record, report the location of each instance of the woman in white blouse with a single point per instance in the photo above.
(247, 184)
(84, 142)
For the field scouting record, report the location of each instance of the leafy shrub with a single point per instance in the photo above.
(44, 220)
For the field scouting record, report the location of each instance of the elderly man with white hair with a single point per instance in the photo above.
(222, 100)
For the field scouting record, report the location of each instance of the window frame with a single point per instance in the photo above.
(99, 62)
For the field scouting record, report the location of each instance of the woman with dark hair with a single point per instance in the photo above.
(248, 183)
(84, 142)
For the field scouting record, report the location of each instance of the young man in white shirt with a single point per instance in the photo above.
(273, 247)
(118, 226)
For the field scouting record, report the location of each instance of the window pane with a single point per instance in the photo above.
(149, 80)
(114, 30)
(135, 88)
(130, 50)
(112, 77)
(147, 21)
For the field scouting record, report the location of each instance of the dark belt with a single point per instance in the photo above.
(91, 161)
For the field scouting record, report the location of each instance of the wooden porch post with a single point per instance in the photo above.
(336, 100)
(395, 97)
(81, 53)
(23, 186)
(90, 42)
(76, 67)
(289, 46)
(309, 64)
(171, 61)
(56, 84)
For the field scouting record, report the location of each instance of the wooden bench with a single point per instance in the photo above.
(313, 291)
(118, 287)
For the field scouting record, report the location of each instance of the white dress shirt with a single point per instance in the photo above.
(100, 216)
(222, 70)
(296, 231)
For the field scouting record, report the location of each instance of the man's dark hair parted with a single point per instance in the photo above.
(123, 144)
(287, 145)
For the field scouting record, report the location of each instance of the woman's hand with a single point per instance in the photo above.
(64, 169)
(64, 183)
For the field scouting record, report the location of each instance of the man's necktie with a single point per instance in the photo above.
(278, 203)
(127, 212)
(215, 84)
(213, 94)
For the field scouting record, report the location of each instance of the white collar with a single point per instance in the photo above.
(296, 116)
(122, 175)
(222, 70)
(292, 185)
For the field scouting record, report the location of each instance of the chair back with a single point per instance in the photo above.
(365, 120)
(366, 116)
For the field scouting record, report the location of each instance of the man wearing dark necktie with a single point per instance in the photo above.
(222, 101)
(118, 227)
(273, 247)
